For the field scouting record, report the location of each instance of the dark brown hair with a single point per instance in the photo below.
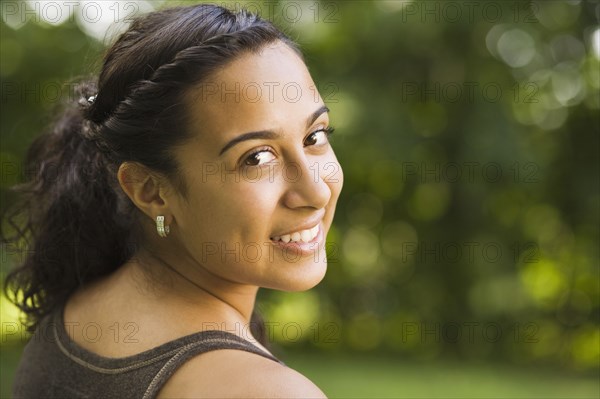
(72, 216)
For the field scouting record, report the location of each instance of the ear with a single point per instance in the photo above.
(148, 191)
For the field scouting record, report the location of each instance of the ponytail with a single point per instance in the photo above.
(70, 218)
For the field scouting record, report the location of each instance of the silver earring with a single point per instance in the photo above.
(160, 226)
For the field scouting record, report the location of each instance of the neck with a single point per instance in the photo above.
(194, 290)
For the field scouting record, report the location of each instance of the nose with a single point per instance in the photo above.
(306, 186)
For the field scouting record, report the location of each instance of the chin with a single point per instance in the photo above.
(295, 276)
(303, 278)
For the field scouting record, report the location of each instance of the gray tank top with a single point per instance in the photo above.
(54, 366)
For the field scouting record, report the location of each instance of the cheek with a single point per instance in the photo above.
(237, 209)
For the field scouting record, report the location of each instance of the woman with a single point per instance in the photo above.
(195, 171)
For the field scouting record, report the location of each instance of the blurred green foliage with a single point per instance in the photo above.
(469, 135)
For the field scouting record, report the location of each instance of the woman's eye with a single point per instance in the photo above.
(259, 158)
(319, 137)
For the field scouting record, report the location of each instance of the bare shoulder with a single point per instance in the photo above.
(237, 374)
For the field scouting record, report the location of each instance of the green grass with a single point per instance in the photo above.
(371, 377)
(9, 357)
(353, 376)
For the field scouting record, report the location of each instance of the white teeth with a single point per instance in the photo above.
(314, 231)
(304, 235)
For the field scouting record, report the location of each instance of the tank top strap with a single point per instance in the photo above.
(211, 340)
(160, 362)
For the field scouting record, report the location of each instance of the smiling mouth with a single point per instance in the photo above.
(299, 236)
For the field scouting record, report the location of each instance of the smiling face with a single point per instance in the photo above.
(262, 178)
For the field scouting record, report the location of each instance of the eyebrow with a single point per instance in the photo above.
(269, 134)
